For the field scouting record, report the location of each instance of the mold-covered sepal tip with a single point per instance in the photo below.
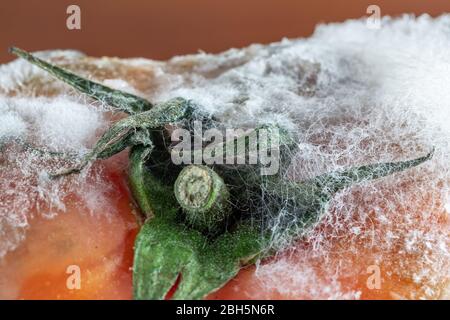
(121, 100)
(335, 181)
(312, 197)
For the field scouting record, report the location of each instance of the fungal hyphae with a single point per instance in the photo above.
(203, 222)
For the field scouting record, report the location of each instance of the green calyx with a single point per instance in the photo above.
(181, 237)
(166, 248)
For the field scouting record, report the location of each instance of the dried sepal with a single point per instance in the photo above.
(166, 250)
(335, 181)
(122, 101)
(311, 198)
(217, 262)
(153, 197)
(134, 130)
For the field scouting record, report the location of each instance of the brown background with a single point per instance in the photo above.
(160, 29)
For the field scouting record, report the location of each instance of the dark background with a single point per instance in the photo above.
(159, 29)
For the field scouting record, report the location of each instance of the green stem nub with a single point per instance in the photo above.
(204, 197)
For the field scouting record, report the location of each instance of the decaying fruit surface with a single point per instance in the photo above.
(102, 247)
(384, 240)
(99, 243)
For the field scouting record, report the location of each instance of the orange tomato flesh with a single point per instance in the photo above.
(100, 244)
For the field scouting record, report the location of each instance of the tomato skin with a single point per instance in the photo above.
(99, 243)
